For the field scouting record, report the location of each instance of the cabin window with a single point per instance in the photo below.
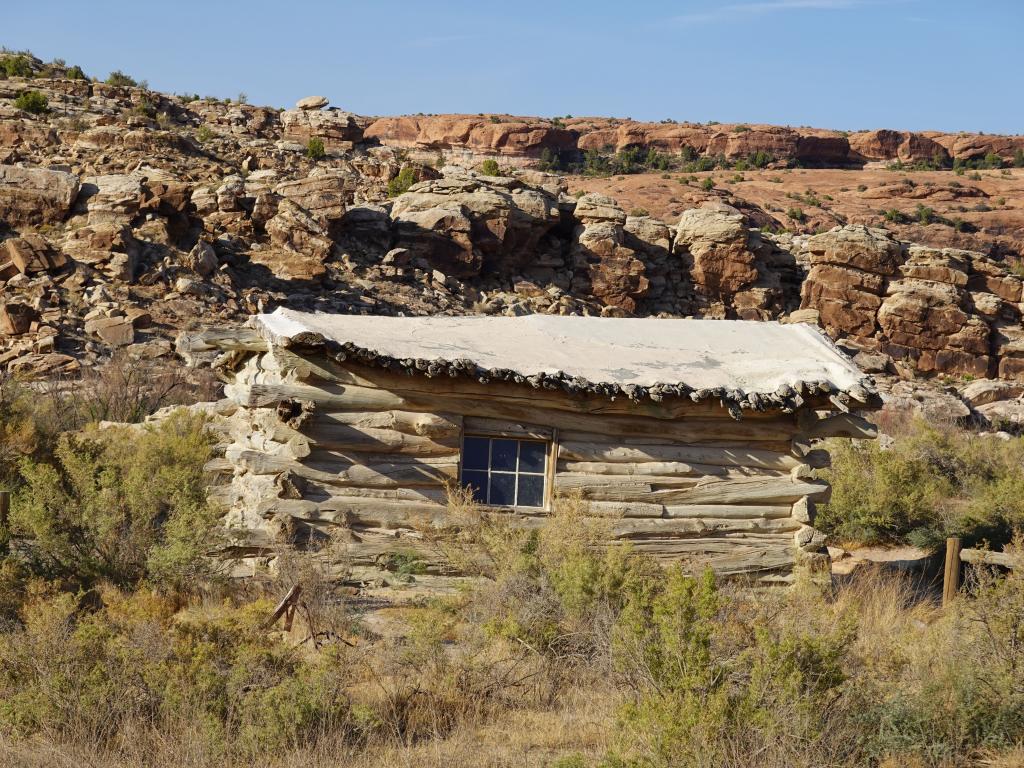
(505, 472)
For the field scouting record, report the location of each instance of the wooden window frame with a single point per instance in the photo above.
(521, 433)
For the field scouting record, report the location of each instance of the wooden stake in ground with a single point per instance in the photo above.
(5, 507)
(951, 575)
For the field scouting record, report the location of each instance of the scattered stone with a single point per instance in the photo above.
(34, 196)
(115, 331)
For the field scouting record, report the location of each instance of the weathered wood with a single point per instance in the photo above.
(228, 340)
(746, 490)
(505, 428)
(354, 510)
(707, 441)
(987, 557)
(645, 469)
(342, 437)
(951, 574)
(433, 425)
(733, 512)
(340, 469)
(741, 457)
(5, 508)
(326, 493)
(849, 425)
(703, 526)
(285, 608)
(431, 389)
(736, 555)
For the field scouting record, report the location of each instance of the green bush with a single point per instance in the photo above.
(75, 73)
(315, 149)
(117, 77)
(120, 505)
(16, 66)
(489, 167)
(929, 484)
(32, 101)
(204, 133)
(401, 183)
(97, 675)
(707, 184)
(796, 214)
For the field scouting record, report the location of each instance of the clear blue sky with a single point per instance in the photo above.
(849, 64)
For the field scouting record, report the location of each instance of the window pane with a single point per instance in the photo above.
(531, 457)
(478, 482)
(531, 491)
(503, 454)
(503, 488)
(474, 452)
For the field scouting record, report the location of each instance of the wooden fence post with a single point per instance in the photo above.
(951, 574)
(5, 507)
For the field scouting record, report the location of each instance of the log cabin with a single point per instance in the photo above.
(697, 438)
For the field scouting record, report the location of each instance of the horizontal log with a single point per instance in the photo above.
(745, 490)
(323, 493)
(739, 555)
(343, 437)
(325, 397)
(987, 557)
(507, 428)
(434, 425)
(344, 470)
(732, 512)
(580, 451)
(353, 511)
(704, 441)
(645, 469)
(704, 526)
(229, 340)
(850, 425)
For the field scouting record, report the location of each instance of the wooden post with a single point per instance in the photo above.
(951, 575)
(285, 608)
(5, 507)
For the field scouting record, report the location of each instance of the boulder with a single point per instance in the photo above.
(984, 391)
(336, 129)
(16, 318)
(202, 259)
(324, 194)
(715, 241)
(115, 331)
(495, 223)
(300, 245)
(29, 255)
(312, 102)
(106, 246)
(857, 246)
(35, 196)
(111, 198)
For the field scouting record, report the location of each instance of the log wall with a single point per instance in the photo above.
(322, 450)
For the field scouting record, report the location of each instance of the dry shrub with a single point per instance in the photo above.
(933, 481)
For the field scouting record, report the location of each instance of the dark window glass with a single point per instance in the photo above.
(503, 489)
(478, 482)
(474, 453)
(531, 456)
(531, 491)
(503, 455)
(505, 472)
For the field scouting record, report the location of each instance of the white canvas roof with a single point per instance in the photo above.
(723, 355)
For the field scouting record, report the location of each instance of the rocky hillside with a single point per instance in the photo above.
(127, 216)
